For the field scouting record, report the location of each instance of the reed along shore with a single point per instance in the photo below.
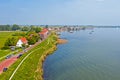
(47, 52)
(51, 47)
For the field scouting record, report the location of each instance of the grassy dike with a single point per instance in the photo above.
(31, 69)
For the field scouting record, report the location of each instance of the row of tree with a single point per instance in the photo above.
(21, 28)
(9, 27)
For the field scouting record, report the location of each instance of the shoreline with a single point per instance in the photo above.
(42, 60)
(62, 41)
(46, 54)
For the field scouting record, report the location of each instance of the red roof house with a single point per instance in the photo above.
(43, 34)
(24, 40)
(21, 41)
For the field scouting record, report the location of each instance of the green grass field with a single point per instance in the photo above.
(28, 70)
(4, 36)
(4, 52)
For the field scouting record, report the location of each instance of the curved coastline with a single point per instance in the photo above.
(46, 54)
(42, 59)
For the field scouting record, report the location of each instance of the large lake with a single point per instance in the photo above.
(86, 56)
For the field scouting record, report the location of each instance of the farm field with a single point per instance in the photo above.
(4, 52)
(29, 70)
(4, 36)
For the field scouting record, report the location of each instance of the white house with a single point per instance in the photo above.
(22, 41)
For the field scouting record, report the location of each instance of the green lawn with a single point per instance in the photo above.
(4, 52)
(4, 36)
(29, 69)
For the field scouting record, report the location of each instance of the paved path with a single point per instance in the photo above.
(7, 63)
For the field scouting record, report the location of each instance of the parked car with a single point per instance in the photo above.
(25, 50)
(8, 56)
(5, 69)
(19, 55)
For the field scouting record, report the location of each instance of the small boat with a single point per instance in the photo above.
(71, 31)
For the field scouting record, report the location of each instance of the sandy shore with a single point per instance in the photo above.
(62, 41)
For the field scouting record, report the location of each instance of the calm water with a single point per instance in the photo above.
(86, 56)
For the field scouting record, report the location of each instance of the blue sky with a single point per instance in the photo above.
(60, 12)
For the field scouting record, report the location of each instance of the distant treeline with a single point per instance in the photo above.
(9, 27)
(17, 27)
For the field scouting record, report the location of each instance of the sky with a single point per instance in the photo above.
(60, 12)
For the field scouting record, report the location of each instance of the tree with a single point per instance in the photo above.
(38, 29)
(23, 34)
(5, 28)
(35, 29)
(15, 27)
(8, 28)
(32, 28)
(25, 28)
(33, 38)
(11, 41)
(46, 26)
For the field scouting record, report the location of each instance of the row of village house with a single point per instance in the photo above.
(43, 34)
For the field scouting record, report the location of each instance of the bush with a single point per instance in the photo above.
(19, 34)
(11, 41)
(5, 47)
(33, 38)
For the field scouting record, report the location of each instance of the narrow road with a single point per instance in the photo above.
(7, 63)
